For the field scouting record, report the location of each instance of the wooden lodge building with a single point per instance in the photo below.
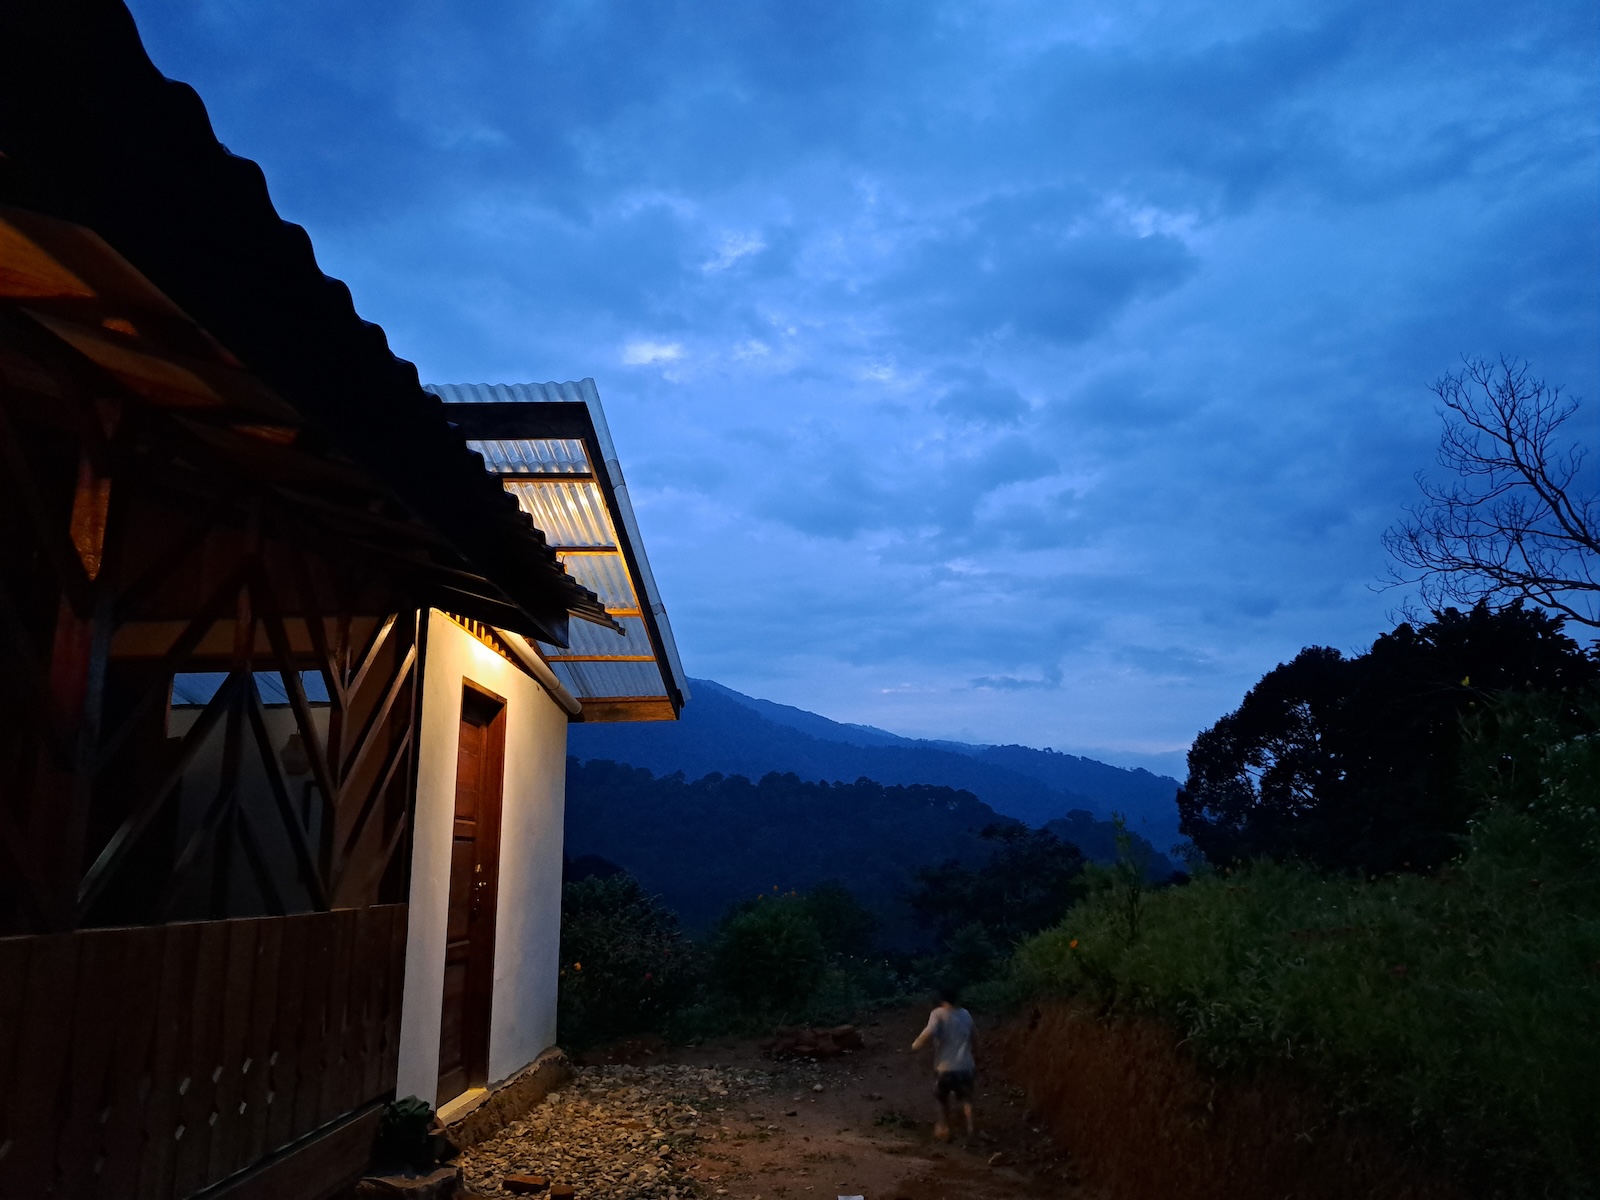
(288, 649)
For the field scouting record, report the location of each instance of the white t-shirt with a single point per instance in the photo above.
(950, 1030)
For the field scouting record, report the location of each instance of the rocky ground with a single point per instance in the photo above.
(619, 1132)
(721, 1121)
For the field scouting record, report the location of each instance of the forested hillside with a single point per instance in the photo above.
(705, 844)
(724, 731)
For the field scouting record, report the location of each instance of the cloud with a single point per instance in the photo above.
(732, 248)
(1167, 661)
(858, 485)
(645, 352)
(1032, 266)
(975, 395)
(942, 342)
(1048, 681)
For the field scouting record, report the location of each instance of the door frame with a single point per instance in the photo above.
(478, 1000)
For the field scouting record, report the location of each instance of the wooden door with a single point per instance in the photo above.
(474, 875)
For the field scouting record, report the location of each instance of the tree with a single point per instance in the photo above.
(1513, 523)
(625, 966)
(1031, 879)
(845, 925)
(1354, 763)
(769, 954)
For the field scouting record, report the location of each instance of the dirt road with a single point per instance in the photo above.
(860, 1125)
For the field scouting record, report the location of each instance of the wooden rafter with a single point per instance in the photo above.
(305, 860)
(149, 805)
(332, 677)
(392, 762)
(176, 657)
(222, 802)
(380, 716)
(320, 761)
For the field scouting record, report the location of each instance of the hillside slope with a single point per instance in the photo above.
(704, 844)
(725, 731)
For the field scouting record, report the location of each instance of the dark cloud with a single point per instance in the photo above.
(1020, 266)
(976, 396)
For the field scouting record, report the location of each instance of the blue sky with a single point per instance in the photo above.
(1038, 372)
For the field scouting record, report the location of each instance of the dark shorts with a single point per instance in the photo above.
(954, 1083)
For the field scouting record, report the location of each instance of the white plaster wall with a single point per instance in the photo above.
(528, 917)
(527, 957)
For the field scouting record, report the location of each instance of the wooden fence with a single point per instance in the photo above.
(156, 1062)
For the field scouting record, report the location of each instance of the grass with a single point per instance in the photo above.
(1462, 1011)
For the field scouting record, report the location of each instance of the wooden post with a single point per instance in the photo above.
(244, 646)
(74, 684)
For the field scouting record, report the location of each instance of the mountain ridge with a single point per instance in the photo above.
(725, 732)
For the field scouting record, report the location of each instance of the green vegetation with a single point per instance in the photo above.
(845, 925)
(1411, 930)
(706, 844)
(779, 958)
(769, 954)
(977, 913)
(789, 957)
(1029, 880)
(1354, 763)
(1460, 1009)
(625, 966)
(811, 956)
(405, 1137)
(793, 957)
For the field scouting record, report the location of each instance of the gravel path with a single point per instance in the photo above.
(617, 1132)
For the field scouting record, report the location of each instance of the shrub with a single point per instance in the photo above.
(625, 967)
(1460, 1009)
(969, 957)
(405, 1137)
(769, 955)
(845, 924)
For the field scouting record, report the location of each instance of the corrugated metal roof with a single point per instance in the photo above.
(572, 515)
(606, 575)
(547, 438)
(535, 456)
(589, 641)
(611, 680)
(501, 393)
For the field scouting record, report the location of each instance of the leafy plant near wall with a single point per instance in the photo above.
(406, 1137)
(1460, 1009)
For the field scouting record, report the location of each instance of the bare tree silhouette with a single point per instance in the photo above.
(1518, 519)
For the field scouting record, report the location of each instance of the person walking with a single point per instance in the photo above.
(954, 1039)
